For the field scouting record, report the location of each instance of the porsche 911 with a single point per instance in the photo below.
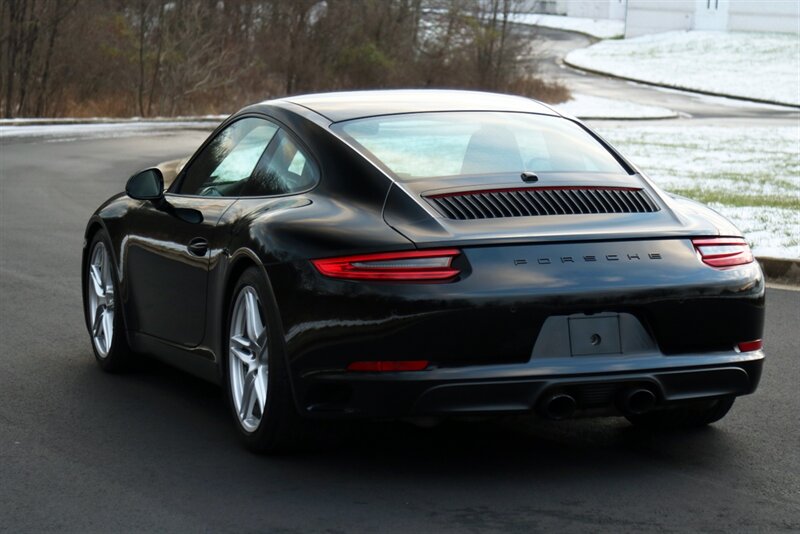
(423, 254)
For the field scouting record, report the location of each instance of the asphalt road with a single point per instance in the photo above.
(155, 450)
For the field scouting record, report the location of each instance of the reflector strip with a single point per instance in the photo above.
(387, 367)
(748, 346)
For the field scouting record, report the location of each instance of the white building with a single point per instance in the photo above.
(592, 9)
(654, 16)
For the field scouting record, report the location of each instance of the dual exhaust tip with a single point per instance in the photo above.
(634, 401)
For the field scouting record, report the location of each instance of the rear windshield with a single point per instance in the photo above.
(433, 145)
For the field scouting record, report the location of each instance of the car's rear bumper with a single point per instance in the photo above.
(498, 312)
(596, 383)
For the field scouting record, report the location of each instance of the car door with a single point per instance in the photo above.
(171, 243)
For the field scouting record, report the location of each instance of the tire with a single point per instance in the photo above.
(101, 311)
(696, 414)
(255, 374)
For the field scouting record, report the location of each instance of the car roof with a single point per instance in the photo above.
(346, 105)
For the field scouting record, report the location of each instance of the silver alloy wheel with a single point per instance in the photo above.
(248, 360)
(100, 287)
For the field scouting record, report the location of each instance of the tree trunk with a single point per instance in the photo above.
(31, 37)
(58, 16)
(156, 66)
(15, 16)
(140, 91)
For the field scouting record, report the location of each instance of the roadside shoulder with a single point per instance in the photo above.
(782, 272)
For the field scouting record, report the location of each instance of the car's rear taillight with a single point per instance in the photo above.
(723, 251)
(408, 266)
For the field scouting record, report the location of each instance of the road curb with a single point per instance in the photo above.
(781, 271)
(678, 88)
(661, 118)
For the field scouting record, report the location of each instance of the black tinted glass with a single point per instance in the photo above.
(227, 162)
(284, 169)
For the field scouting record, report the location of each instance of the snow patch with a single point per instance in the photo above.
(25, 121)
(751, 65)
(750, 174)
(771, 232)
(68, 131)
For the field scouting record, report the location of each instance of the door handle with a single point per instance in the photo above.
(198, 246)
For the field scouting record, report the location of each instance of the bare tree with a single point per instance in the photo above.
(167, 57)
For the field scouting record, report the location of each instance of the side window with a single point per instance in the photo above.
(285, 168)
(227, 162)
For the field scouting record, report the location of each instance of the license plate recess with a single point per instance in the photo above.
(594, 335)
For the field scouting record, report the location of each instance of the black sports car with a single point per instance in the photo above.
(424, 253)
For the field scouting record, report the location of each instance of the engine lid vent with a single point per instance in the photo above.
(534, 201)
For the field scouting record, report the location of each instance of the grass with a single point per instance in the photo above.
(749, 174)
(728, 199)
(732, 166)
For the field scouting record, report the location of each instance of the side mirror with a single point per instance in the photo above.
(146, 185)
